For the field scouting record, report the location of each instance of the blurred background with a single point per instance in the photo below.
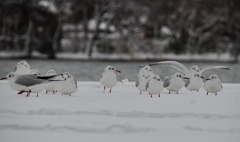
(120, 30)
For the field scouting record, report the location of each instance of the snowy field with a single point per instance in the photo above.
(122, 116)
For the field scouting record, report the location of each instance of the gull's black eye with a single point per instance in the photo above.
(180, 76)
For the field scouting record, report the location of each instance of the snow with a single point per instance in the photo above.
(123, 115)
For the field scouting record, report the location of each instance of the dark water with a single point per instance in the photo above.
(92, 70)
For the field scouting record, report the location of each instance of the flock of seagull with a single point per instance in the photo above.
(24, 79)
(191, 78)
(27, 80)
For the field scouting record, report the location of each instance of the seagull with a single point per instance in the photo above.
(184, 70)
(213, 84)
(145, 69)
(142, 81)
(195, 82)
(69, 84)
(29, 83)
(51, 87)
(34, 71)
(154, 85)
(173, 83)
(22, 67)
(108, 78)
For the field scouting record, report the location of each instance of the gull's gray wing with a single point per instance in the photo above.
(187, 82)
(147, 85)
(180, 67)
(215, 67)
(75, 81)
(29, 80)
(166, 82)
(137, 82)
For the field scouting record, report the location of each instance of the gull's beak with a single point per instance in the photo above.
(201, 76)
(185, 78)
(208, 79)
(118, 71)
(158, 79)
(4, 78)
(197, 70)
(150, 70)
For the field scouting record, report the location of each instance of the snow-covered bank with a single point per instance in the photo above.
(123, 115)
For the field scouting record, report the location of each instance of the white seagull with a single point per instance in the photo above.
(108, 78)
(154, 85)
(195, 82)
(184, 70)
(28, 83)
(213, 84)
(69, 84)
(173, 83)
(145, 69)
(22, 67)
(51, 87)
(142, 81)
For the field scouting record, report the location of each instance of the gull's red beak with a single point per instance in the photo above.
(159, 80)
(118, 71)
(4, 78)
(197, 70)
(150, 70)
(208, 79)
(185, 78)
(201, 76)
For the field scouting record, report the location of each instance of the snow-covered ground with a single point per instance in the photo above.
(122, 116)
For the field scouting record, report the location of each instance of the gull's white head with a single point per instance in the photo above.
(197, 75)
(51, 72)
(213, 77)
(22, 67)
(195, 68)
(178, 75)
(111, 69)
(10, 76)
(66, 76)
(156, 77)
(145, 76)
(146, 68)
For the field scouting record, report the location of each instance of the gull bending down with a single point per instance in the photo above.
(29, 83)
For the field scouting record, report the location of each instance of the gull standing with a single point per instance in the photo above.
(173, 83)
(109, 78)
(195, 82)
(154, 85)
(51, 87)
(28, 83)
(213, 84)
(69, 84)
(22, 67)
(142, 81)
